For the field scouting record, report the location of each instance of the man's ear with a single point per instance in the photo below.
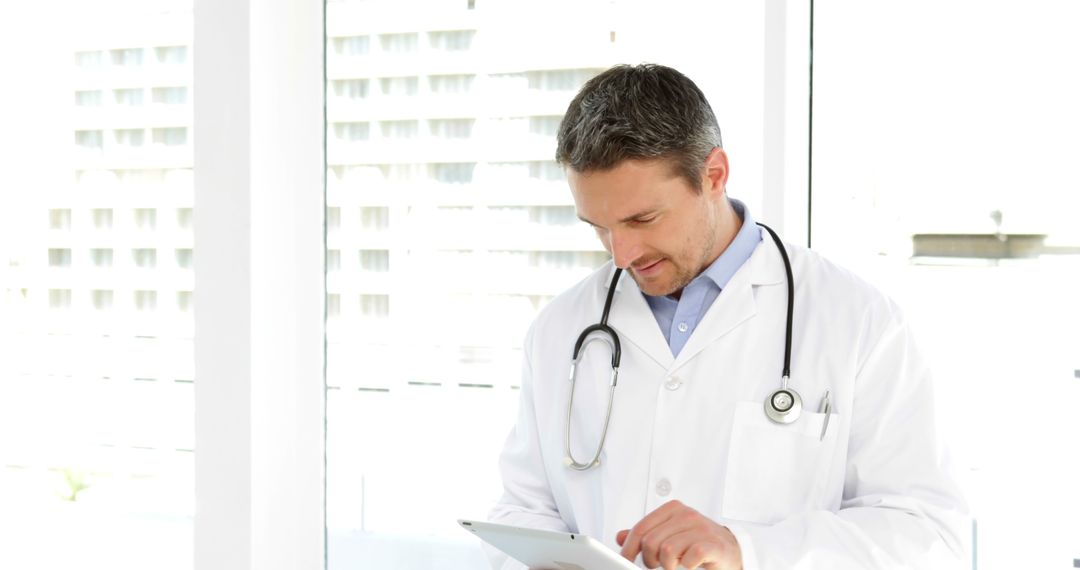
(716, 172)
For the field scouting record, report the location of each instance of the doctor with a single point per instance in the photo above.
(702, 459)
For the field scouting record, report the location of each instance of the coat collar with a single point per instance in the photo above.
(632, 318)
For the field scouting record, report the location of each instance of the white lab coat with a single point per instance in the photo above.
(874, 493)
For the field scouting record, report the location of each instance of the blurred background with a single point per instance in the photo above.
(941, 150)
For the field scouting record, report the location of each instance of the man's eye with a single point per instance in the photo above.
(641, 221)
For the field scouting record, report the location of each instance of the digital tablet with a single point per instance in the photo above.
(548, 549)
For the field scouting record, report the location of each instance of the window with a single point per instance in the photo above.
(559, 80)
(102, 218)
(184, 301)
(101, 299)
(333, 260)
(352, 46)
(351, 88)
(450, 84)
(185, 218)
(144, 258)
(127, 57)
(173, 136)
(59, 258)
(399, 43)
(145, 218)
(452, 172)
(60, 299)
(90, 140)
(185, 258)
(60, 219)
(452, 128)
(102, 258)
(400, 86)
(352, 131)
(88, 59)
(91, 98)
(376, 260)
(169, 95)
(145, 301)
(132, 138)
(457, 40)
(333, 218)
(545, 126)
(375, 306)
(374, 218)
(128, 97)
(171, 55)
(399, 129)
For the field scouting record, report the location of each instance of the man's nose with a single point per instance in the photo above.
(624, 248)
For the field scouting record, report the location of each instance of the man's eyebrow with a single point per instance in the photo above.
(637, 216)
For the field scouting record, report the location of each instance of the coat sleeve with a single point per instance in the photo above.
(900, 506)
(526, 500)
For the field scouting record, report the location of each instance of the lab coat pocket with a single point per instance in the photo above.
(775, 471)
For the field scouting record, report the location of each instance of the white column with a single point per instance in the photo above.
(787, 119)
(259, 285)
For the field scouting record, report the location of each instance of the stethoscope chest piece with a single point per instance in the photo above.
(784, 406)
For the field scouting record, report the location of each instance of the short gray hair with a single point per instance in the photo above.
(638, 112)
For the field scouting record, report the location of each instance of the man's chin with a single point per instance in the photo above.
(654, 287)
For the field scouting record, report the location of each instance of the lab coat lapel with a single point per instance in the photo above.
(736, 303)
(632, 318)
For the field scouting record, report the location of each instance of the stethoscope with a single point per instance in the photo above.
(782, 406)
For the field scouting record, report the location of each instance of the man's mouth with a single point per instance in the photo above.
(648, 268)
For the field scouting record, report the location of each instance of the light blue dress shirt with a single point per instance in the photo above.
(679, 318)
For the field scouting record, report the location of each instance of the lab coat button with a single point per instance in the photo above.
(673, 383)
(683, 327)
(663, 487)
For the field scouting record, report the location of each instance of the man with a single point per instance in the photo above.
(692, 471)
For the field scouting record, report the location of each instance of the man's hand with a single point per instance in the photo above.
(675, 535)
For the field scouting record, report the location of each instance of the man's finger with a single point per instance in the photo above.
(620, 537)
(632, 546)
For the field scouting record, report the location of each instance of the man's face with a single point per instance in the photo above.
(652, 221)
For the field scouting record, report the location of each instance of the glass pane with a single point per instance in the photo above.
(96, 327)
(944, 169)
(449, 225)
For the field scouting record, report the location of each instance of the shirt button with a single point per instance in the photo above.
(683, 327)
(673, 383)
(663, 487)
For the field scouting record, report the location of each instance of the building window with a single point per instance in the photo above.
(184, 301)
(59, 258)
(545, 126)
(374, 218)
(399, 129)
(185, 258)
(101, 299)
(399, 43)
(333, 260)
(333, 305)
(59, 299)
(450, 84)
(90, 98)
(90, 140)
(352, 131)
(333, 218)
(145, 301)
(170, 136)
(546, 170)
(171, 55)
(132, 138)
(559, 80)
(144, 258)
(452, 172)
(169, 95)
(375, 306)
(351, 88)
(102, 218)
(185, 218)
(352, 46)
(553, 215)
(452, 128)
(400, 86)
(457, 40)
(60, 219)
(128, 97)
(127, 57)
(145, 218)
(101, 257)
(375, 260)
(88, 59)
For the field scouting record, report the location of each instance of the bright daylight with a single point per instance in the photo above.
(463, 284)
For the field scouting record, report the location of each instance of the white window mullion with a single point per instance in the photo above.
(259, 388)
